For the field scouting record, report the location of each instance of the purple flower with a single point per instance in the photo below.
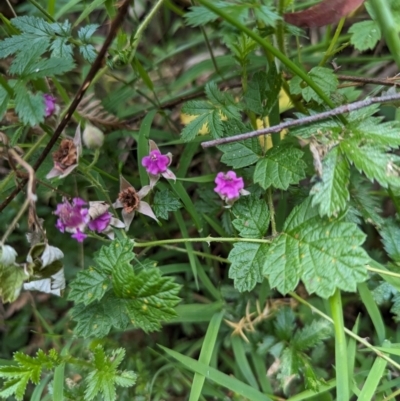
(73, 218)
(157, 164)
(50, 104)
(229, 187)
(101, 220)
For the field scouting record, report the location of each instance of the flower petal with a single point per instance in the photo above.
(124, 184)
(145, 208)
(54, 172)
(68, 170)
(153, 180)
(116, 223)
(153, 146)
(117, 204)
(127, 217)
(169, 175)
(144, 191)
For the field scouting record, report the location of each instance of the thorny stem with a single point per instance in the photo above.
(78, 97)
(204, 239)
(31, 196)
(302, 121)
(347, 331)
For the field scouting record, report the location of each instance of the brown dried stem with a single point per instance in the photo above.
(122, 12)
(305, 120)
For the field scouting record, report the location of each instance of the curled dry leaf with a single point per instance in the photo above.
(324, 13)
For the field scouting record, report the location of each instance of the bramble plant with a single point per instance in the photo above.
(198, 201)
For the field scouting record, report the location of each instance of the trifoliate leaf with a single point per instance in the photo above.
(365, 35)
(247, 261)
(390, 233)
(118, 252)
(281, 166)
(98, 318)
(149, 297)
(165, 201)
(325, 255)
(323, 77)
(331, 193)
(11, 279)
(106, 376)
(89, 285)
(252, 217)
(374, 162)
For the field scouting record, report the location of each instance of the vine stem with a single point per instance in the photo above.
(335, 38)
(303, 121)
(204, 239)
(361, 340)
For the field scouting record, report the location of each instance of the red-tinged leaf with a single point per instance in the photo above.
(324, 13)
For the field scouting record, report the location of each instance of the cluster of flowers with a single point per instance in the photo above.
(77, 216)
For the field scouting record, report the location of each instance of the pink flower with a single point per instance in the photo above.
(131, 201)
(229, 187)
(73, 218)
(101, 220)
(157, 164)
(50, 104)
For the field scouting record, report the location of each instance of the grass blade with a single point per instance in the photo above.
(143, 145)
(205, 354)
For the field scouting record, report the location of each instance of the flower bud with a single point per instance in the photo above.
(7, 255)
(50, 104)
(93, 138)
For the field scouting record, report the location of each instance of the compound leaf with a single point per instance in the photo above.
(165, 201)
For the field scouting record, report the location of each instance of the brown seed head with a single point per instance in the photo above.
(130, 199)
(66, 155)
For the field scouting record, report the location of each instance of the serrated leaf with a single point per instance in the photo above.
(323, 77)
(4, 98)
(325, 255)
(150, 298)
(267, 15)
(241, 154)
(252, 217)
(312, 335)
(374, 162)
(198, 15)
(331, 193)
(33, 25)
(104, 378)
(60, 48)
(48, 67)
(284, 323)
(165, 201)
(88, 53)
(86, 32)
(365, 35)
(98, 318)
(29, 107)
(390, 233)
(110, 256)
(281, 167)
(247, 261)
(11, 280)
(89, 285)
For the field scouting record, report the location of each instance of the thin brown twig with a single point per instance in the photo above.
(122, 12)
(375, 81)
(302, 121)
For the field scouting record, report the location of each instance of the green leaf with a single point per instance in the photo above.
(267, 15)
(219, 105)
(62, 49)
(198, 15)
(323, 77)
(390, 233)
(150, 297)
(33, 25)
(4, 98)
(281, 166)
(365, 35)
(256, 94)
(252, 217)
(373, 162)
(89, 285)
(325, 255)
(165, 201)
(105, 377)
(86, 32)
(117, 253)
(48, 67)
(11, 279)
(247, 260)
(97, 318)
(29, 107)
(88, 53)
(312, 335)
(331, 193)
(284, 324)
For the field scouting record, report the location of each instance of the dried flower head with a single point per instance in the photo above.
(66, 157)
(131, 201)
(101, 220)
(156, 164)
(229, 187)
(73, 218)
(50, 104)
